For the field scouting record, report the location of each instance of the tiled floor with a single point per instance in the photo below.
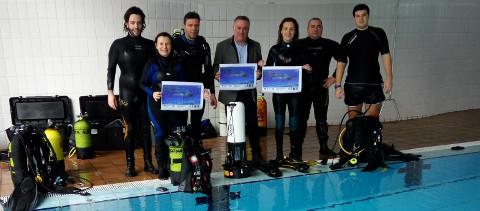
(450, 128)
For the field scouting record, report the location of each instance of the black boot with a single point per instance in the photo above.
(324, 150)
(161, 154)
(296, 139)
(148, 166)
(279, 121)
(130, 171)
(295, 153)
(279, 145)
(279, 155)
(322, 133)
(130, 157)
(147, 157)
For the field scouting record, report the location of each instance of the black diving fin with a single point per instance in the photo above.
(300, 166)
(24, 197)
(270, 168)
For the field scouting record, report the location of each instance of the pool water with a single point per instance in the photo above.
(439, 183)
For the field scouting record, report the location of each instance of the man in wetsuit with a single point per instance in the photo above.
(130, 54)
(363, 84)
(318, 53)
(193, 52)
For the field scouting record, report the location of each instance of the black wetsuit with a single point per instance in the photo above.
(195, 58)
(131, 54)
(160, 69)
(362, 47)
(286, 54)
(318, 53)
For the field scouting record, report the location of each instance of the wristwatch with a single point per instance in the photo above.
(338, 86)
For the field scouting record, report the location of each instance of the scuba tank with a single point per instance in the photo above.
(180, 168)
(83, 139)
(33, 155)
(175, 146)
(262, 115)
(55, 138)
(236, 160)
(178, 162)
(190, 163)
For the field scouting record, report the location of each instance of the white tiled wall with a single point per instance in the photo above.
(59, 47)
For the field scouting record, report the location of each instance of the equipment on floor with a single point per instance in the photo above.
(31, 158)
(202, 168)
(56, 140)
(361, 141)
(296, 165)
(175, 143)
(270, 168)
(50, 114)
(40, 127)
(190, 163)
(83, 138)
(236, 165)
(106, 127)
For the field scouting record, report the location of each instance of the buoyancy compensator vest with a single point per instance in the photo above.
(190, 163)
(32, 155)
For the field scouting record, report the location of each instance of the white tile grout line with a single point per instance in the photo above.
(148, 187)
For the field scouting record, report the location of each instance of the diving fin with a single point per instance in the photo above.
(24, 197)
(270, 168)
(300, 166)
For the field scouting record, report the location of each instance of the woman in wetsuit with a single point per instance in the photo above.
(131, 53)
(163, 67)
(287, 53)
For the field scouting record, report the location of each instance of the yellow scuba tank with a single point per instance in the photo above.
(56, 140)
(83, 139)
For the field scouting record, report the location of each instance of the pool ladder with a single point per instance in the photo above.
(395, 105)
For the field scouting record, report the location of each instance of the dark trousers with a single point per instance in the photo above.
(195, 120)
(136, 129)
(280, 104)
(164, 123)
(319, 99)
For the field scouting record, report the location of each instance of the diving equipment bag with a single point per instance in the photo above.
(106, 127)
(361, 141)
(50, 114)
(32, 162)
(190, 164)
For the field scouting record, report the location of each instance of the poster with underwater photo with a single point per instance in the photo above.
(238, 76)
(181, 96)
(282, 79)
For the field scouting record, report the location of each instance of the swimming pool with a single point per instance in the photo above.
(440, 182)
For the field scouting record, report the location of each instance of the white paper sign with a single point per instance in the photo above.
(282, 79)
(238, 76)
(181, 96)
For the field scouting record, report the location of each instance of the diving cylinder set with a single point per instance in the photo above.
(236, 160)
(175, 146)
(56, 140)
(25, 137)
(83, 138)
